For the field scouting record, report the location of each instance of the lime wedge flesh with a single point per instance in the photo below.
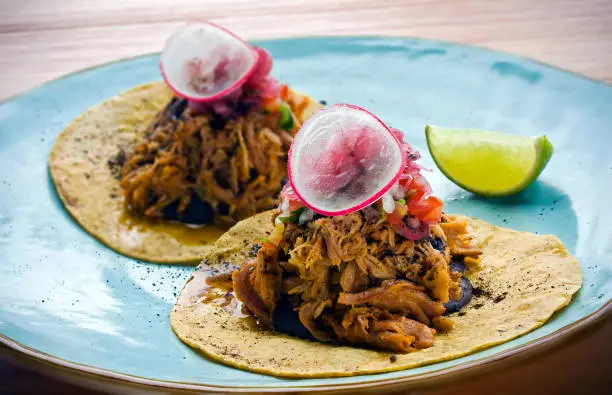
(488, 163)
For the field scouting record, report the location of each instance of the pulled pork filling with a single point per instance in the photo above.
(234, 166)
(353, 279)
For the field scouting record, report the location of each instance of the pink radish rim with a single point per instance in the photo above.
(224, 92)
(368, 201)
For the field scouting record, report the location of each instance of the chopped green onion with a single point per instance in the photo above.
(265, 240)
(402, 201)
(294, 217)
(286, 117)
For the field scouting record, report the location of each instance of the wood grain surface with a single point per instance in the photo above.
(44, 39)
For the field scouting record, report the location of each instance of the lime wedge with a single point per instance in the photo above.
(488, 163)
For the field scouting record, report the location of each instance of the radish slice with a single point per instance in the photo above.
(203, 62)
(343, 159)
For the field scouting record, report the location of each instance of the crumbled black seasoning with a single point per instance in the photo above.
(476, 291)
(392, 358)
(254, 250)
(115, 163)
(499, 298)
(323, 102)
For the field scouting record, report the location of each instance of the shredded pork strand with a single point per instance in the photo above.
(353, 280)
(237, 167)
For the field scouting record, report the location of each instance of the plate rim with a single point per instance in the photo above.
(531, 348)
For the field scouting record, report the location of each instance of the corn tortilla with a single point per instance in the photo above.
(524, 277)
(89, 188)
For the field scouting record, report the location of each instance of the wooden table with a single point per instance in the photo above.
(43, 39)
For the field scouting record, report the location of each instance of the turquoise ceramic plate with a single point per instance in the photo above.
(69, 300)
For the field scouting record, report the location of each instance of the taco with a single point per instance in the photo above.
(161, 171)
(366, 287)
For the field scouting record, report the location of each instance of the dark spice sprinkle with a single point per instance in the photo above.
(437, 243)
(478, 305)
(477, 291)
(499, 298)
(254, 249)
(392, 358)
(323, 102)
(461, 313)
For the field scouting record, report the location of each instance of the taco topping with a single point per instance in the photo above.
(203, 62)
(218, 151)
(343, 159)
(378, 276)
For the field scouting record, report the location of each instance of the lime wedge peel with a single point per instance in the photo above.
(488, 163)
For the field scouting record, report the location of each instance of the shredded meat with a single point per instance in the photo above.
(397, 296)
(308, 314)
(267, 278)
(236, 167)
(380, 329)
(437, 277)
(443, 324)
(353, 279)
(242, 284)
(375, 268)
(458, 236)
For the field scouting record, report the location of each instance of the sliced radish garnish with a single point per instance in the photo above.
(263, 66)
(203, 62)
(343, 159)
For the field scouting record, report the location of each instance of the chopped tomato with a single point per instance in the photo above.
(428, 210)
(409, 227)
(417, 185)
(268, 246)
(284, 92)
(395, 218)
(270, 104)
